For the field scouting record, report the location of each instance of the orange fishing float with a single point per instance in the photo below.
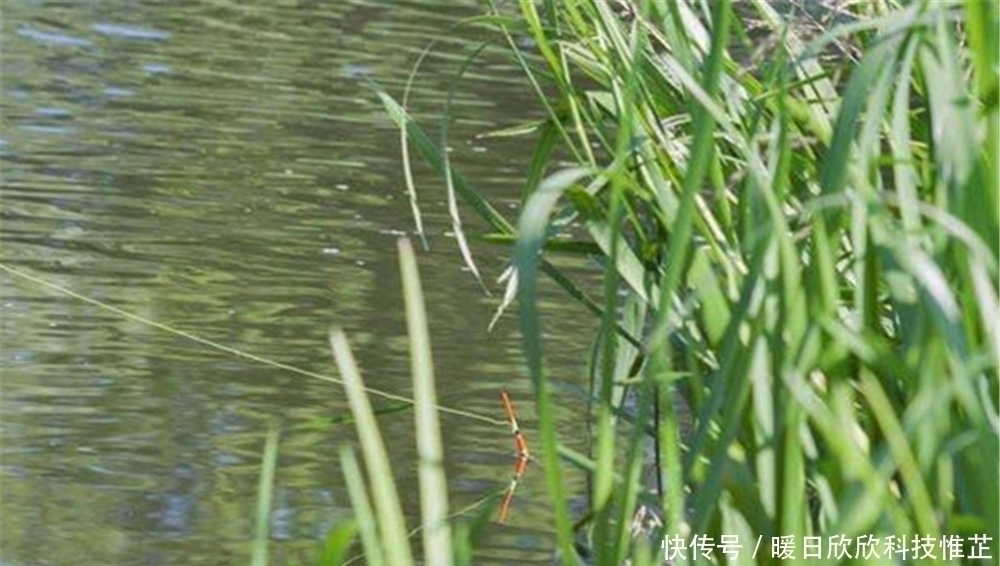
(508, 499)
(521, 464)
(520, 444)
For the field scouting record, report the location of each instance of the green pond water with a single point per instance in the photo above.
(221, 167)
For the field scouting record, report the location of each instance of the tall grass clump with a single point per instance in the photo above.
(799, 234)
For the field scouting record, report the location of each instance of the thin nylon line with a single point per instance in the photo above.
(233, 351)
(413, 532)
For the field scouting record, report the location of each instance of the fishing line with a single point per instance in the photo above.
(233, 351)
(413, 532)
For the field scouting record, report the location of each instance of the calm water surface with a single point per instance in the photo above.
(222, 168)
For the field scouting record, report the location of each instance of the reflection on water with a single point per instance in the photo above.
(222, 168)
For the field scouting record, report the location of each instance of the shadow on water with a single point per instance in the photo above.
(221, 168)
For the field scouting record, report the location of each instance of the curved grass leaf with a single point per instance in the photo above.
(389, 513)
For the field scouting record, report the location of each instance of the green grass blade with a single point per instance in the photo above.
(392, 526)
(433, 488)
(265, 493)
(338, 541)
(363, 513)
(899, 446)
(697, 166)
(532, 229)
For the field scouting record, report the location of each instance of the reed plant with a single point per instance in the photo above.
(799, 240)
